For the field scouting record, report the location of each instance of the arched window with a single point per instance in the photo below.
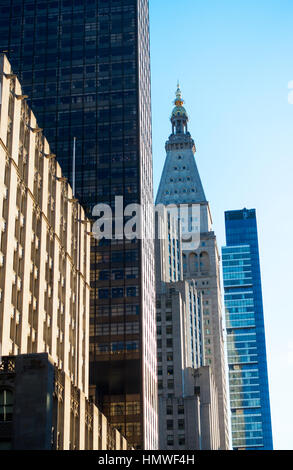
(204, 261)
(193, 263)
(6, 405)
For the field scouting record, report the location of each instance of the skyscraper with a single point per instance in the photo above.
(188, 398)
(44, 293)
(45, 244)
(181, 185)
(85, 66)
(248, 377)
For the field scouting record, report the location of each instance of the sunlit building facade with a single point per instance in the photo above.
(45, 402)
(45, 244)
(248, 378)
(85, 66)
(188, 398)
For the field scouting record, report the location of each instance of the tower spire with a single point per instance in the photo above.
(178, 101)
(179, 117)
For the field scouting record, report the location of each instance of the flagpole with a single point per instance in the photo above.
(73, 166)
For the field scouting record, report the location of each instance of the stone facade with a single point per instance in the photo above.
(49, 412)
(44, 293)
(188, 408)
(45, 243)
(208, 282)
(181, 185)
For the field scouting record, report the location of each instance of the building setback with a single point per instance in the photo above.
(181, 185)
(85, 66)
(248, 377)
(44, 292)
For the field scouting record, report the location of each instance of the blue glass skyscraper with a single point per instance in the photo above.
(248, 377)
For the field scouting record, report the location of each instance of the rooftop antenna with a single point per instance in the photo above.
(73, 166)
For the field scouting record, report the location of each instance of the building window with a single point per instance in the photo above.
(117, 293)
(103, 348)
(117, 275)
(132, 291)
(181, 409)
(181, 439)
(169, 424)
(169, 343)
(6, 405)
(181, 424)
(131, 346)
(169, 410)
(132, 408)
(170, 384)
(169, 316)
(103, 293)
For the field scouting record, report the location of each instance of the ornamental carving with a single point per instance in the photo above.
(7, 365)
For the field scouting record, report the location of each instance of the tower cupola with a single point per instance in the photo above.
(179, 117)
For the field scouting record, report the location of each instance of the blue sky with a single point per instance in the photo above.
(234, 61)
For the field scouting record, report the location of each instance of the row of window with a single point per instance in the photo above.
(168, 316)
(171, 441)
(180, 424)
(114, 311)
(117, 328)
(117, 274)
(170, 385)
(169, 343)
(128, 408)
(127, 256)
(118, 347)
(169, 330)
(170, 409)
(119, 292)
(169, 357)
(170, 371)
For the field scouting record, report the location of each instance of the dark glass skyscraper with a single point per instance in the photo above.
(248, 377)
(85, 66)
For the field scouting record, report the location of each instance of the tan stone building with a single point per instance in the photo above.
(44, 282)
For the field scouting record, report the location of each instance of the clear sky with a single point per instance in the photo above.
(234, 60)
